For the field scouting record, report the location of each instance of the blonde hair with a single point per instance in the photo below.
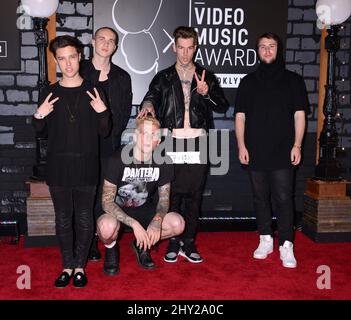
(141, 121)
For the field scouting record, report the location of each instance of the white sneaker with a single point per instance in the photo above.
(287, 255)
(264, 248)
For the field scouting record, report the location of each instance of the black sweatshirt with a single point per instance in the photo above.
(72, 152)
(269, 97)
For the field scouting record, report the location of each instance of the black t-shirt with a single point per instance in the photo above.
(269, 118)
(137, 183)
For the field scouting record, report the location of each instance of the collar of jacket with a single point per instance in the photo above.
(88, 68)
(174, 78)
(198, 70)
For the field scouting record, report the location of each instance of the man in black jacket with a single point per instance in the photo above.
(183, 97)
(116, 85)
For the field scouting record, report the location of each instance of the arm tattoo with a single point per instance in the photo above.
(109, 205)
(163, 201)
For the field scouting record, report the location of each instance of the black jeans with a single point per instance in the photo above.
(98, 210)
(188, 184)
(74, 222)
(274, 189)
(186, 194)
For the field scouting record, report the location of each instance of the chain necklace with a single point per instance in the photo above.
(72, 117)
(182, 72)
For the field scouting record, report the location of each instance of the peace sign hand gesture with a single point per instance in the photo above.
(96, 102)
(46, 107)
(202, 87)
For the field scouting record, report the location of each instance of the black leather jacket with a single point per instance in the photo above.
(166, 95)
(120, 96)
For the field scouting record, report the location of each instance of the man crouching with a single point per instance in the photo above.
(128, 198)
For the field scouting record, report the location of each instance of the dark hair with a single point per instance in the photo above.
(65, 41)
(269, 35)
(108, 28)
(185, 33)
(280, 50)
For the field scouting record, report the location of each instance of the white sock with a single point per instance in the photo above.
(111, 245)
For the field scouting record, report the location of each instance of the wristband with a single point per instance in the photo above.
(296, 146)
(39, 115)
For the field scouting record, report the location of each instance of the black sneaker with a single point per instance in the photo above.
(94, 253)
(172, 250)
(143, 257)
(188, 250)
(111, 264)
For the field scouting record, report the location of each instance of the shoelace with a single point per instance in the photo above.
(288, 253)
(263, 244)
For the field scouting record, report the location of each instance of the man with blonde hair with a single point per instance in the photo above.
(128, 198)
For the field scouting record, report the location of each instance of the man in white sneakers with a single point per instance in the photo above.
(270, 124)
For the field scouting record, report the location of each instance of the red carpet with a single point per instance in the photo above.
(229, 272)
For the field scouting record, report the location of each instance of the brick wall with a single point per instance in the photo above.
(18, 101)
(76, 19)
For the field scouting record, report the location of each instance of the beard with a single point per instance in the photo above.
(270, 62)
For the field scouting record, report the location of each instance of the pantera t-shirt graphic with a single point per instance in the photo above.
(137, 183)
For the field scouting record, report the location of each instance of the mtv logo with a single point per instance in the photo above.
(3, 49)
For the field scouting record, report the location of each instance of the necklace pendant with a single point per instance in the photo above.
(72, 119)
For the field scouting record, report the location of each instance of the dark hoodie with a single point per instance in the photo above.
(271, 73)
(269, 97)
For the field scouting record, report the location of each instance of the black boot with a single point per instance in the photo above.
(94, 253)
(143, 257)
(111, 264)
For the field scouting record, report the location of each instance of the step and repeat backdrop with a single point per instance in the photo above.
(227, 30)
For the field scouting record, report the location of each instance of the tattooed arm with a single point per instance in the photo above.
(110, 207)
(163, 201)
(154, 228)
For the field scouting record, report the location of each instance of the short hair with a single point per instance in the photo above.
(65, 41)
(185, 33)
(153, 120)
(108, 28)
(268, 35)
